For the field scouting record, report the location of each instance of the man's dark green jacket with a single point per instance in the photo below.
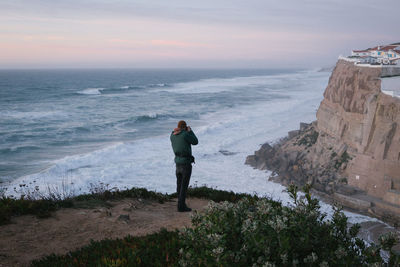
(181, 144)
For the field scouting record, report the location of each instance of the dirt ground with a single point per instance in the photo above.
(28, 238)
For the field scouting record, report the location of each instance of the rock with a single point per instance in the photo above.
(251, 160)
(284, 166)
(370, 211)
(266, 146)
(352, 202)
(104, 213)
(262, 166)
(292, 156)
(318, 186)
(343, 166)
(330, 188)
(128, 209)
(124, 218)
(265, 152)
(304, 126)
(342, 149)
(98, 210)
(346, 190)
(356, 123)
(262, 158)
(293, 134)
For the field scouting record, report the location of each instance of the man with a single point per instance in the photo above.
(181, 139)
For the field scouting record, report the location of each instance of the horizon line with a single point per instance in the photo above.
(157, 68)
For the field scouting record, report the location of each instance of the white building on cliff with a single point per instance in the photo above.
(385, 55)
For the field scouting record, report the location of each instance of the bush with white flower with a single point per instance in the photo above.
(262, 232)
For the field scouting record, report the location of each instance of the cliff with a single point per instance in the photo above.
(352, 152)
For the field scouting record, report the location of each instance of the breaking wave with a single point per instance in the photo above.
(91, 91)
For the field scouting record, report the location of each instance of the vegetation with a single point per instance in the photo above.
(344, 158)
(244, 231)
(265, 233)
(159, 249)
(30, 203)
(309, 139)
(41, 208)
(43, 205)
(217, 195)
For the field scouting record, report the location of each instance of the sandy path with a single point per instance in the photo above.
(29, 238)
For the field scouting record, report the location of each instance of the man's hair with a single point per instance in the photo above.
(182, 125)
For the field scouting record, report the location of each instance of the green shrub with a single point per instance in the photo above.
(41, 208)
(265, 233)
(216, 195)
(309, 139)
(159, 249)
(344, 158)
(120, 194)
(247, 231)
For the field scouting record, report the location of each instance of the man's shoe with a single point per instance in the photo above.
(184, 209)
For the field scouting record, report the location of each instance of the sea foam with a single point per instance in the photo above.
(236, 127)
(91, 91)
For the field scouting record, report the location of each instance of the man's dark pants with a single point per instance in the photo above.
(183, 172)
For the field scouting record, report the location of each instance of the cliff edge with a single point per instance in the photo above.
(351, 154)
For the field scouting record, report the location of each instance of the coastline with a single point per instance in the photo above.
(285, 161)
(349, 153)
(286, 170)
(247, 177)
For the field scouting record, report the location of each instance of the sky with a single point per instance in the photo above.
(191, 34)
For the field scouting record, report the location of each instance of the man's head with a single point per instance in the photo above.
(182, 125)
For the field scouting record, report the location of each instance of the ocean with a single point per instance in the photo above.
(77, 129)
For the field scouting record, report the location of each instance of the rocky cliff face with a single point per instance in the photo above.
(352, 151)
(355, 112)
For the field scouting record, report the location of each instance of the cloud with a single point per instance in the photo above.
(175, 43)
(304, 31)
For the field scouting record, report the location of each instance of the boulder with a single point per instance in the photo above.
(304, 126)
(293, 134)
(251, 160)
(124, 218)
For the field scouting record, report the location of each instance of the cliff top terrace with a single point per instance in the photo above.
(387, 70)
(379, 55)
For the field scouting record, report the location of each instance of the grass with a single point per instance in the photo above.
(159, 249)
(242, 230)
(42, 208)
(217, 195)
